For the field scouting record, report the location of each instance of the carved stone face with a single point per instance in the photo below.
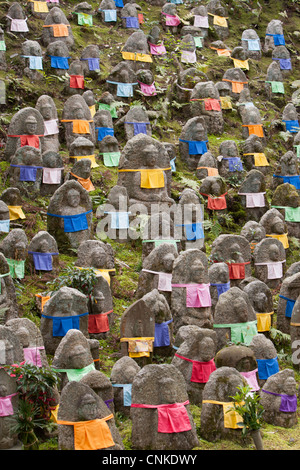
(78, 112)
(23, 336)
(197, 274)
(167, 389)
(99, 302)
(87, 409)
(241, 309)
(259, 301)
(44, 246)
(99, 258)
(151, 154)
(216, 188)
(278, 225)
(274, 253)
(46, 112)
(207, 348)
(31, 125)
(78, 357)
(290, 386)
(73, 198)
(168, 262)
(29, 156)
(199, 131)
(57, 18)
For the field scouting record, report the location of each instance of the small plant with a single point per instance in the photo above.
(35, 388)
(247, 405)
(83, 280)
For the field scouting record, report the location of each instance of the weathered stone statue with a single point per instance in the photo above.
(65, 310)
(195, 360)
(143, 170)
(46, 106)
(269, 261)
(279, 399)
(218, 417)
(193, 141)
(69, 215)
(25, 128)
(205, 101)
(57, 28)
(151, 430)
(122, 375)
(80, 404)
(43, 252)
(26, 170)
(190, 298)
(237, 323)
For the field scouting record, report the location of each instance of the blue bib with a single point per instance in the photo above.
(104, 131)
(278, 39)
(61, 325)
(293, 179)
(27, 173)
(289, 306)
(234, 163)
(139, 127)
(126, 393)
(74, 223)
(196, 147)
(42, 261)
(161, 335)
(59, 62)
(93, 63)
(132, 22)
(4, 225)
(267, 367)
(194, 231)
(221, 287)
(292, 126)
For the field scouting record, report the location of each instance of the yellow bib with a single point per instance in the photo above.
(231, 417)
(282, 238)
(90, 157)
(138, 56)
(139, 347)
(219, 20)
(240, 64)
(16, 212)
(40, 7)
(226, 102)
(263, 321)
(151, 178)
(93, 110)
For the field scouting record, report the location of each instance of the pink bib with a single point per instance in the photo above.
(251, 379)
(148, 90)
(171, 20)
(32, 355)
(201, 370)
(157, 49)
(6, 408)
(197, 295)
(171, 417)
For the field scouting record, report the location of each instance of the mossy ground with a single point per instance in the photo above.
(21, 92)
